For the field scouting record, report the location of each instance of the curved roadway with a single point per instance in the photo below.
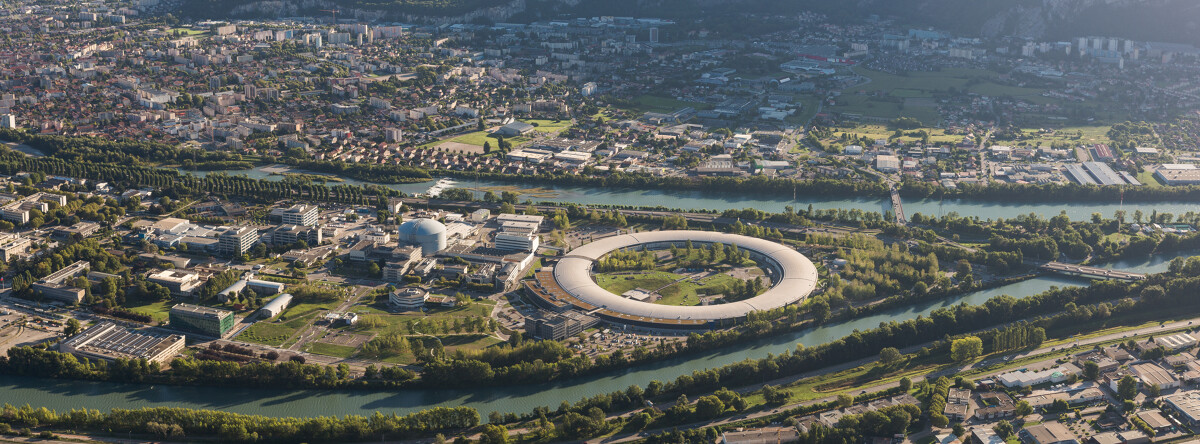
(797, 276)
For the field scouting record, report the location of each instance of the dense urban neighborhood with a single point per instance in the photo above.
(523, 222)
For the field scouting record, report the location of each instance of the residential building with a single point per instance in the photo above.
(207, 321)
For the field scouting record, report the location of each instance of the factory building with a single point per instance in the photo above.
(201, 320)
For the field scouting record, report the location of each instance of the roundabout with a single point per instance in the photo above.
(571, 283)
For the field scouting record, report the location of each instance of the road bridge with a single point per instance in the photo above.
(1091, 272)
(898, 207)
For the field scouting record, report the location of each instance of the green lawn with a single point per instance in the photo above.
(273, 333)
(549, 126)
(157, 310)
(1147, 178)
(683, 292)
(476, 138)
(659, 104)
(338, 351)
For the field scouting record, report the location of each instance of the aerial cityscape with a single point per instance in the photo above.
(537, 221)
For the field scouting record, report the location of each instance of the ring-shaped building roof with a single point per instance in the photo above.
(797, 276)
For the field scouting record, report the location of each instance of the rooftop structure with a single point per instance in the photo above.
(275, 307)
(58, 284)
(180, 282)
(201, 320)
(428, 234)
(1186, 404)
(107, 340)
(797, 276)
(1048, 433)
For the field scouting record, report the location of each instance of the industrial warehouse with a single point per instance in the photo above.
(570, 285)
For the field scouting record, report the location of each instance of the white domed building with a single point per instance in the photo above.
(428, 234)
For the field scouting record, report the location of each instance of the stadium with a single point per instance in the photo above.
(570, 284)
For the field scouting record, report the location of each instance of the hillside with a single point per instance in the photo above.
(1150, 20)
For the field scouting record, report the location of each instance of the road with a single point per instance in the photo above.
(707, 218)
(879, 387)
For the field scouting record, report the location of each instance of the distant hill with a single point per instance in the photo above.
(1151, 20)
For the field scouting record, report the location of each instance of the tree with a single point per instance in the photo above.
(1152, 391)
(905, 384)
(959, 430)
(493, 434)
(938, 419)
(1003, 429)
(72, 327)
(709, 407)
(890, 355)
(1091, 370)
(966, 349)
(1127, 387)
(845, 400)
(1023, 408)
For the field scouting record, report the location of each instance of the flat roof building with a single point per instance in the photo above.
(110, 341)
(303, 215)
(1048, 433)
(180, 282)
(235, 241)
(1186, 404)
(201, 320)
(59, 286)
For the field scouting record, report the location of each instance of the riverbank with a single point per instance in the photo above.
(65, 395)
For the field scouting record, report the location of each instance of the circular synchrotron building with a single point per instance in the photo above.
(569, 284)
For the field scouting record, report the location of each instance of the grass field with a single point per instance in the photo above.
(157, 310)
(1147, 178)
(936, 135)
(683, 292)
(659, 104)
(477, 138)
(338, 351)
(274, 333)
(549, 126)
(1075, 135)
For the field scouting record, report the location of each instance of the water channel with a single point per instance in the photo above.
(65, 395)
(715, 200)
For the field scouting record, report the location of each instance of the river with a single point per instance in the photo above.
(65, 395)
(720, 201)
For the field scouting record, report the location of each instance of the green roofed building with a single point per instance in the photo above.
(201, 320)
